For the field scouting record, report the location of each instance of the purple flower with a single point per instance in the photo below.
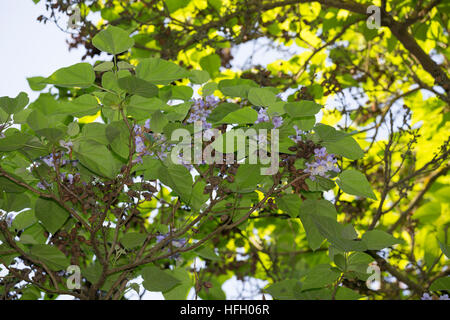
(139, 143)
(426, 296)
(147, 124)
(321, 153)
(298, 134)
(277, 121)
(201, 109)
(50, 159)
(138, 160)
(262, 116)
(323, 163)
(41, 185)
(444, 297)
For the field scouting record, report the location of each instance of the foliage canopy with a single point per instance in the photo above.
(89, 173)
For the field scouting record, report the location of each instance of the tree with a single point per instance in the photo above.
(361, 195)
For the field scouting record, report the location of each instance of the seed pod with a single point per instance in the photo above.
(149, 187)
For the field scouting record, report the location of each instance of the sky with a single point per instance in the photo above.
(28, 47)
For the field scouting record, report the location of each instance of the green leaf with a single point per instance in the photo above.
(73, 129)
(104, 66)
(158, 121)
(178, 178)
(346, 147)
(134, 85)
(141, 108)
(158, 280)
(358, 262)
(89, 152)
(320, 184)
(441, 284)
(261, 97)
(132, 240)
(118, 136)
(211, 64)
(14, 105)
(95, 131)
(241, 116)
(320, 276)
(247, 177)
(181, 291)
(236, 87)
(79, 75)
(84, 105)
(307, 210)
(113, 40)
(9, 186)
(377, 240)
(303, 108)
(15, 202)
(339, 235)
(198, 76)
(51, 256)
(51, 214)
(221, 111)
(428, 212)
(24, 219)
(344, 293)
(209, 88)
(445, 249)
(123, 65)
(36, 83)
(159, 71)
(174, 5)
(284, 290)
(338, 142)
(207, 253)
(33, 235)
(182, 92)
(290, 203)
(14, 141)
(277, 108)
(355, 183)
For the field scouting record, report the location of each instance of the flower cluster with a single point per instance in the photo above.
(53, 158)
(323, 163)
(160, 146)
(201, 109)
(264, 117)
(426, 296)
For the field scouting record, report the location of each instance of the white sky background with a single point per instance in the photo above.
(29, 48)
